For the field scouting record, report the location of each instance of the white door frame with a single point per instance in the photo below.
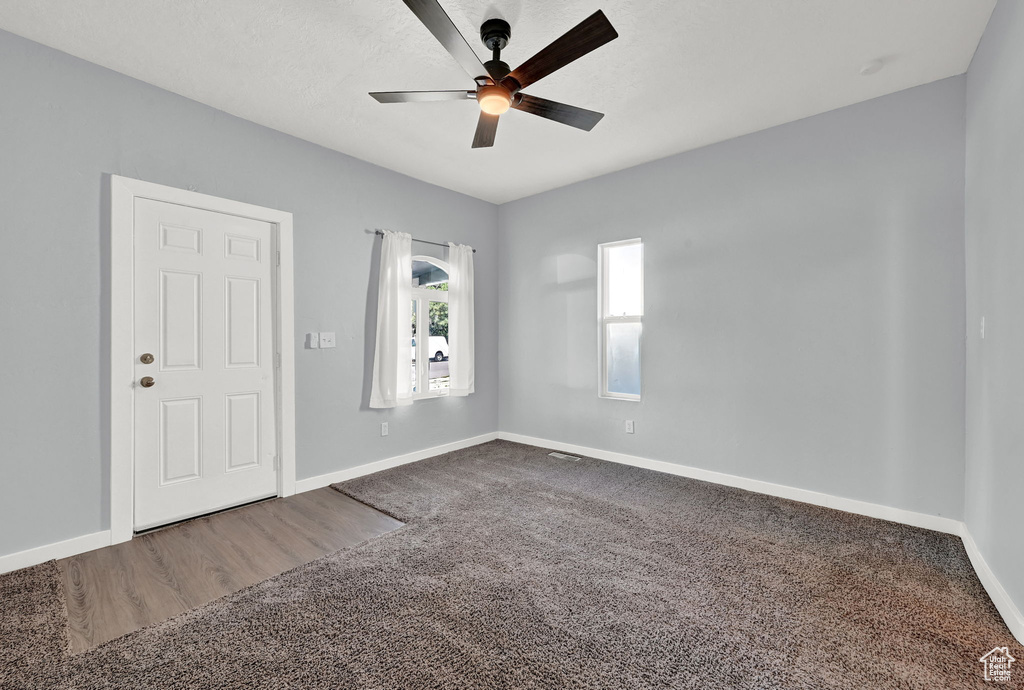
(123, 192)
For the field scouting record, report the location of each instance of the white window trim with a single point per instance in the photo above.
(603, 321)
(423, 296)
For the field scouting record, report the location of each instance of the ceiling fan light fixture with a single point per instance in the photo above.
(494, 100)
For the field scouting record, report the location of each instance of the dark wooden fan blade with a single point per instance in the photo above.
(579, 118)
(438, 23)
(486, 126)
(593, 32)
(421, 96)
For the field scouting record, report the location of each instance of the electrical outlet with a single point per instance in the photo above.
(326, 339)
(383, 428)
(312, 341)
(629, 426)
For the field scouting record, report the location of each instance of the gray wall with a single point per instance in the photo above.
(804, 305)
(64, 124)
(995, 289)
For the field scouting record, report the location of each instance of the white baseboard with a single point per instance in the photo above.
(387, 463)
(61, 549)
(906, 517)
(1012, 615)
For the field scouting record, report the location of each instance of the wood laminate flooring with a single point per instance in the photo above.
(118, 589)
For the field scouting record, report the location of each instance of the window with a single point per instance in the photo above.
(424, 308)
(621, 309)
(430, 376)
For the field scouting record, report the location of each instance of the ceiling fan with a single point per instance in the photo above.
(498, 87)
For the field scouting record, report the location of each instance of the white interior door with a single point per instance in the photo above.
(203, 309)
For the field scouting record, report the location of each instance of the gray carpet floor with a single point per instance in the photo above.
(517, 570)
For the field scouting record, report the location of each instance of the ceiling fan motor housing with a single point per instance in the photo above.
(496, 67)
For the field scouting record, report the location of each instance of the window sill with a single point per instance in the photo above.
(627, 398)
(429, 396)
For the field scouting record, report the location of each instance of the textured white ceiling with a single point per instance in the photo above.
(682, 74)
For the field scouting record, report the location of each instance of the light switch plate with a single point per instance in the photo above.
(326, 339)
(312, 341)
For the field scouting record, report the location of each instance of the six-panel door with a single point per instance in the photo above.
(205, 429)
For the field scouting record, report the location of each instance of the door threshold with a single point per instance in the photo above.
(151, 530)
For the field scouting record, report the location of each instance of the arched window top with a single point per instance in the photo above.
(429, 272)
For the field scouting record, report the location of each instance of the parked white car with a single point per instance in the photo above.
(437, 347)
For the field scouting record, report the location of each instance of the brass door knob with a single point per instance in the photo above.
(146, 358)
(147, 381)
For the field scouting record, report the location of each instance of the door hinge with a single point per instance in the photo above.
(279, 257)
(277, 360)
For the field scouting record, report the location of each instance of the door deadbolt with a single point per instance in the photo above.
(146, 358)
(147, 382)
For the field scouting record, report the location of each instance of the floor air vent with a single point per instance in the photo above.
(563, 456)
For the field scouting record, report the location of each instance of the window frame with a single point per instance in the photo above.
(423, 297)
(604, 319)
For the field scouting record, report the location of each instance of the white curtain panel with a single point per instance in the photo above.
(392, 361)
(461, 346)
